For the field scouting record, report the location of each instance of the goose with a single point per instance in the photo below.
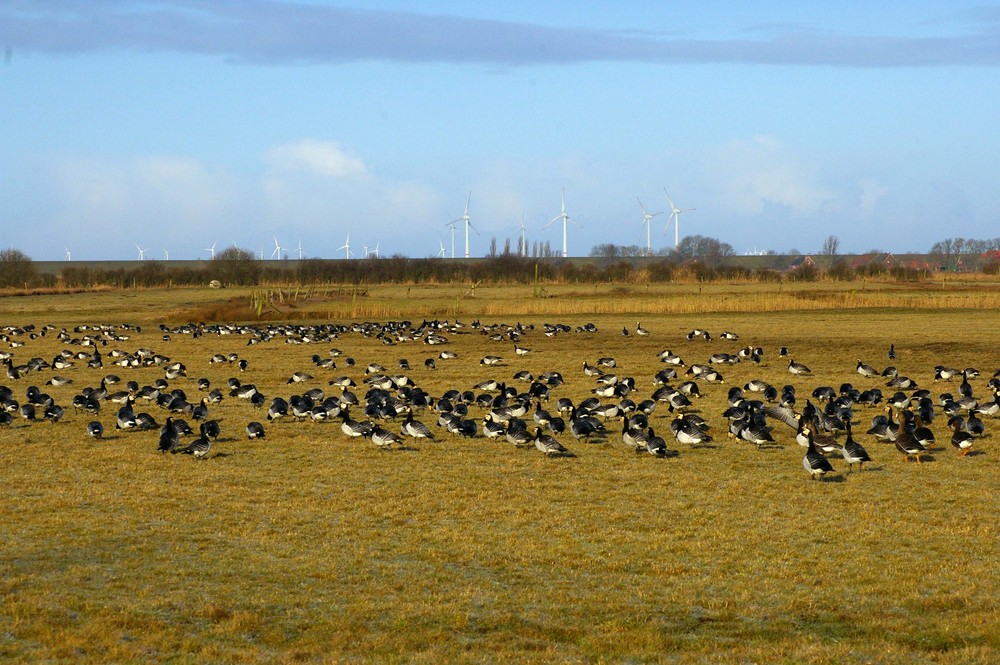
(688, 433)
(199, 448)
(299, 377)
(633, 438)
(974, 424)
(853, 452)
(816, 464)
(922, 434)
(731, 336)
(905, 441)
(892, 352)
(492, 429)
(548, 444)
(211, 429)
(169, 438)
(59, 381)
(655, 445)
(415, 429)
(254, 430)
(518, 435)
(278, 409)
(490, 360)
(866, 371)
(640, 331)
(798, 368)
(521, 350)
(960, 439)
(95, 429)
(385, 439)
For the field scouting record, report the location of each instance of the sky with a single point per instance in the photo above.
(178, 125)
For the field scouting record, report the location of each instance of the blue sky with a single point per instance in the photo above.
(178, 124)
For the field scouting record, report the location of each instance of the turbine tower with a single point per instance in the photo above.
(277, 249)
(565, 218)
(300, 250)
(69, 254)
(524, 242)
(166, 254)
(142, 252)
(647, 219)
(441, 254)
(675, 214)
(468, 223)
(346, 246)
(211, 249)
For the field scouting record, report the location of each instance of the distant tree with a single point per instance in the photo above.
(831, 245)
(709, 251)
(493, 247)
(506, 247)
(604, 251)
(16, 268)
(235, 265)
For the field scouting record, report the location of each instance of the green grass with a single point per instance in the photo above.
(309, 547)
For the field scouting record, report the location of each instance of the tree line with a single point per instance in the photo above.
(696, 257)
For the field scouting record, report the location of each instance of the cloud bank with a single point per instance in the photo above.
(277, 33)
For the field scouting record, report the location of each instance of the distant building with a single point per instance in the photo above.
(800, 262)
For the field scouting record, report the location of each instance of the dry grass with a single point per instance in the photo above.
(308, 547)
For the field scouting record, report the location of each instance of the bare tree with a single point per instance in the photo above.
(16, 268)
(831, 245)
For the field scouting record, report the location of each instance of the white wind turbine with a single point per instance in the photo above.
(374, 252)
(524, 242)
(675, 214)
(277, 249)
(69, 254)
(346, 246)
(299, 250)
(441, 254)
(142, 252)
(565, 218)
(647, 219)
(166, 254)
(211, 250)
(468, 224)
(451, 225)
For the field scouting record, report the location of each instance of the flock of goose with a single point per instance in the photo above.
(391, 410)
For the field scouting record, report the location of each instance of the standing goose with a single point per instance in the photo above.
(961, 439)
(655, 445)
(905, 441)
(255, 430)
(815, 463)
(385, 439)
(169, 439)
(415, 429)
(548, 444)
(853, 452)
(640, 331)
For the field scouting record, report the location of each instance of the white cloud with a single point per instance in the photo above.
(762, 171)
(324, 158)
(872, 192)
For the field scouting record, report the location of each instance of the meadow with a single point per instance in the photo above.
(308, 546)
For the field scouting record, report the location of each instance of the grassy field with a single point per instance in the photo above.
(312, 547)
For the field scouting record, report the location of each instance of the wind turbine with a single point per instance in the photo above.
(299, 250)
(565, 218)
(142, 252)
(524, 243)
(346, 246)
(277, 249)
(375, 251)
(452, 226)
(647, 219)
(69, 254)
(166, 254)
(468, 223)
(212, 248)
(441, 254)
(675, 214)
